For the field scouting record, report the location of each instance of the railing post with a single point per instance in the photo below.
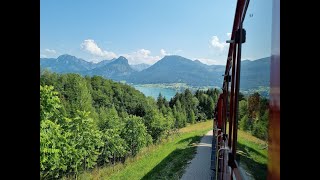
(217, 162)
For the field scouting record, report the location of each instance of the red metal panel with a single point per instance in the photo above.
(231, 118)
(274, 105)
(220, 108)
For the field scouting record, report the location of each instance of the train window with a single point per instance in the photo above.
(252, 139)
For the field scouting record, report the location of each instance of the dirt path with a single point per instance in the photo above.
(199, 167)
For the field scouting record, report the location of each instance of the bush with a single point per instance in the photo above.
(245, 123)
(260, 130)
(135, 134)
(260, 127)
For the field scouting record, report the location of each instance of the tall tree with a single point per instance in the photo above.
(253, 105)
(243, 108)
(192, 117)
(49, 102)
(160, 101)
(135, 134)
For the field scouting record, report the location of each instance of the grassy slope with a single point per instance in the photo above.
(169, 159)
(253, 155)
(165, 161)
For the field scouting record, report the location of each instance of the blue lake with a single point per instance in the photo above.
(154, 91)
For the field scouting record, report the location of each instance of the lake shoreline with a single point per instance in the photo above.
(168, 90)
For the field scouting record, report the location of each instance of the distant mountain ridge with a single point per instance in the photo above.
(140, 67)
(170, 69)
(65, 63)
(174, 69)
(113, 69)
(117, 69)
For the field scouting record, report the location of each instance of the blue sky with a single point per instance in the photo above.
(146, 30)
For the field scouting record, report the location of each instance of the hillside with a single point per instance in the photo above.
(140, 67)
(65, 64)
(255, 73)
(88, 122)
(175, 69)
(118, 69)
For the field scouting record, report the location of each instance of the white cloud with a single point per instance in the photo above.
(50, 51)
(178, 51)
(229, 35)
(136, 57)
(91, 46)
(163, 52)
(215, 42)
(46, 53)
(141, 56)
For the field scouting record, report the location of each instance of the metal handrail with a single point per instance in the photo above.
(217, 162)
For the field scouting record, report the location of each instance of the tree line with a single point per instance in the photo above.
(254, 115)
(91, 121)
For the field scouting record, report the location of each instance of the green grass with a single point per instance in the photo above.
(253, 156)
(169, 159)
(164, 161)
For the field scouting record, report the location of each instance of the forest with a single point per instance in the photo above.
(254, 115)
(87, 122)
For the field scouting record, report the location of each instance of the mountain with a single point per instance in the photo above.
(170, 69)
(114, 68)
(140, 67)
(117, 69)
(255, 73)
(65, 64)
(103, 63)
(173, 69)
